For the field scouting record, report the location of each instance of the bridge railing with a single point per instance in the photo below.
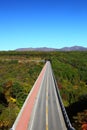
(66, 118)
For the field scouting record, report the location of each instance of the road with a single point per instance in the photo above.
(47, 113)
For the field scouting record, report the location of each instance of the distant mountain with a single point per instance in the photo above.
(36, 49)
(73, 48)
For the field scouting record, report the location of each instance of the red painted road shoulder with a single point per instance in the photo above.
(23, 121)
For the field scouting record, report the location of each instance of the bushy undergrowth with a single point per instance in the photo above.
(19, 70)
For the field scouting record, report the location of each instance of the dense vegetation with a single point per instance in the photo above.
(19, 70)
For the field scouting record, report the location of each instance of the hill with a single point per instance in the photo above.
(74, 48)
(37, 49)
(45, 49)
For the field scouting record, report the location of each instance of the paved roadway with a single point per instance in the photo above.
(47, 113)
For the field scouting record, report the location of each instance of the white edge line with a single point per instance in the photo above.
(59, 110)
(47, 105)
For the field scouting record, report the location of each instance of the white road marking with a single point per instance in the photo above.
(59, 109)
(47, 105)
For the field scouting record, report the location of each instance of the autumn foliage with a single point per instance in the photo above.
(19, 70)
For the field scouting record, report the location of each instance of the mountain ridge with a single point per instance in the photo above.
(73, 48)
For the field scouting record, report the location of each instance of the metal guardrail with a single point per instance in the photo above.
(66, 118)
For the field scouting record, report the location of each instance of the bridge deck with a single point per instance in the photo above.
(41, 110)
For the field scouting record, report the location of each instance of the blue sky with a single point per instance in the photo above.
(42, 23)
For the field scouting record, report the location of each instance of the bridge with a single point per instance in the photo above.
(43, 109)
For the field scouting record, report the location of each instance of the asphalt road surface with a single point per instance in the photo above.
(47, 113)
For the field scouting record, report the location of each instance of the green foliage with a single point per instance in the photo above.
(18, 74)
(1, 89)
(19, 70)
(16, 89)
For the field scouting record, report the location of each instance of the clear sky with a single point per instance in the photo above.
(42, 23)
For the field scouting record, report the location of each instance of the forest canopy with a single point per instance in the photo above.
(19, 70)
